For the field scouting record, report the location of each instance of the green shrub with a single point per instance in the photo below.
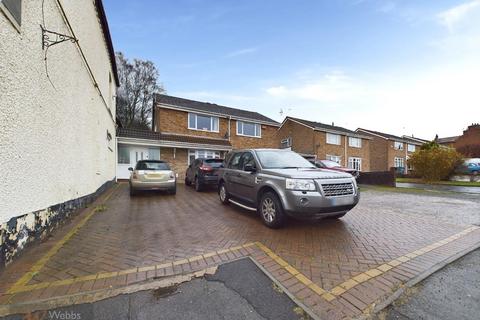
(434, 163)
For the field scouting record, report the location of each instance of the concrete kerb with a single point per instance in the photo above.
(377, 307)
(285, 290)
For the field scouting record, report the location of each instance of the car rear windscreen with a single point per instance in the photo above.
(152, 166)
(214, 163)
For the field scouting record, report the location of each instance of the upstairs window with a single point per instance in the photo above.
(411, 148)
(398, 145)
(249, 129)
(203, 123)
(333, 138)
(355, 142)
(13, 11)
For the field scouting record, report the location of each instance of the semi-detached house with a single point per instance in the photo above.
(317, 140)
(390, 151)
(184, 130)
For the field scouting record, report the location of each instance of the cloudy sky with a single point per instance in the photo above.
(403, 67)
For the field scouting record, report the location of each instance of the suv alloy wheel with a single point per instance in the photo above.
(223, 194)
(271, 210)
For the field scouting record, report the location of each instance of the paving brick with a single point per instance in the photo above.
(328, 253)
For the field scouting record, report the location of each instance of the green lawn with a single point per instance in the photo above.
(449, 183)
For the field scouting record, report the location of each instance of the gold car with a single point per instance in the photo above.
(152, 175)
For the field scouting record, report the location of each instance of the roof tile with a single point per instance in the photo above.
(212, 107)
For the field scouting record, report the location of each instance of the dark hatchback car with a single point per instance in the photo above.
(202, 173)
(332, 165)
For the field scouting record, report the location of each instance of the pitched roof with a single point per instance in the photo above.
(323, 126)
(212, 108)
(382, 134)
(415, 140)
(108, 39)
(407, 139)
(151, 135)
(447, 139)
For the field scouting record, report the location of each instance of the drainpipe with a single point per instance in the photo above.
(345, 154)
(116, 158)
(229, 131)
(405, 170)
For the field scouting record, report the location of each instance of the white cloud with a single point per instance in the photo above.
(437, 100)
(454, 15)
(333, 86)
(241, 52)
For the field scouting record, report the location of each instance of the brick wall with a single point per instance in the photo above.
(175, 121)
(179, 163)
(393, 153)
(378, 154)
(468, 144)
(323, 148)
(302, 137)
(363, 152)
(268, 140)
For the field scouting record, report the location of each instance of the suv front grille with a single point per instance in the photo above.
(337, 189)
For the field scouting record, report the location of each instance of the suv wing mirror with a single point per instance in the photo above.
(249, 168)
(130, 169)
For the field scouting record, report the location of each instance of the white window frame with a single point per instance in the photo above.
(286, 143)
(354, 142)
(121, 160)
(411, 147)
(258, 129)
(212, 120)
(332, 136)
(397, 145)
(397, 161)
(337, 159)
(200, 153)
(355, 163)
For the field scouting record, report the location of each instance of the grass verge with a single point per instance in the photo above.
(447, 183)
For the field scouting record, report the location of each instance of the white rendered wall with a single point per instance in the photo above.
(53, 141)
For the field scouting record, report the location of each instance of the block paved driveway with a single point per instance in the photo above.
(336, 268)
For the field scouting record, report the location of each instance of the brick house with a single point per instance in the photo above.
(447, 141)
(387, 150)
(322, 141)
(469, 142)
(184, 130)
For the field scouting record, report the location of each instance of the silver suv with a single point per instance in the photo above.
(277, 183)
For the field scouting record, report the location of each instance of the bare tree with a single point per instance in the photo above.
(138, 86)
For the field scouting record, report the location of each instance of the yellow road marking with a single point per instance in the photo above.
(21, 284)
(41, 263)
(362, 277)
(103, 275)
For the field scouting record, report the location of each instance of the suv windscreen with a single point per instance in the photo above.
(152, 166)
(271, 159)
(214, 163)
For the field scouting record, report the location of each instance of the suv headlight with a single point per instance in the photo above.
(300, 184)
